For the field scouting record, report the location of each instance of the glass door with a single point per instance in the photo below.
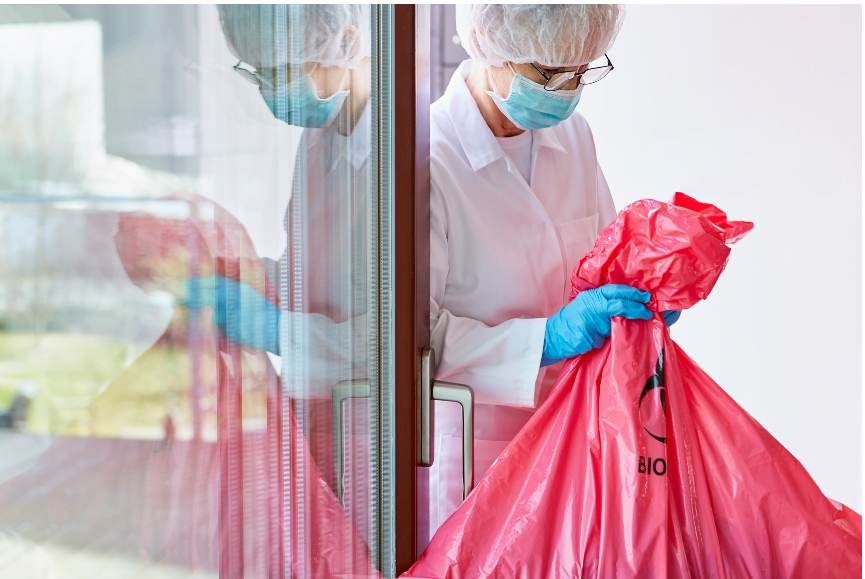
(199, 344)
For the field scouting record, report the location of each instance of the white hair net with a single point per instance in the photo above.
(271, 35)
(551, 34)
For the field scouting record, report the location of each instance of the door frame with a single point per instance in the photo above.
(411, 86)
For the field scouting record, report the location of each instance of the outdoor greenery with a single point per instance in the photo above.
(92, 386)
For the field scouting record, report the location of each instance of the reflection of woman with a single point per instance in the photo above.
(317, 76)
(311, 65)
(167, 488)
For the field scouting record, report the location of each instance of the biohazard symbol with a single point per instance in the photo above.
(656, 381)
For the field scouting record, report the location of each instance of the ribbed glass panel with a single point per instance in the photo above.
(384, 369)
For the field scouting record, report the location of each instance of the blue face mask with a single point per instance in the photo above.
(529, 106)
(301, 107)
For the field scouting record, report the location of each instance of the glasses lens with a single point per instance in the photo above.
(595, 74)
(247, 74)
(561, 80)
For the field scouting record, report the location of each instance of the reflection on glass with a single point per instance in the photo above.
(185, 258)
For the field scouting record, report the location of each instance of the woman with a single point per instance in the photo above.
(517, 199)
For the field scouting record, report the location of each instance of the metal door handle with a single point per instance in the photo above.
(343, 391)
(429, 390)
(464, 395)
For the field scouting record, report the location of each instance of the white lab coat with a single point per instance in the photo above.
(324, 294)
(501, 254)
(324, 326)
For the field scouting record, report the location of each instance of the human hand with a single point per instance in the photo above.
(585, 323)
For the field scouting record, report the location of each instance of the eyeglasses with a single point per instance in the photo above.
(588, 76)
(252, 75)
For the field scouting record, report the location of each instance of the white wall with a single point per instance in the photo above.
(758, 109)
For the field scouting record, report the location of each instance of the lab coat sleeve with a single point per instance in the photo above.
(500, 363)
(606, 208)
(317, 352)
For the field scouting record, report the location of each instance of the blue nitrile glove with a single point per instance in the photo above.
(242, 313)
(585, 323)
(671, 316)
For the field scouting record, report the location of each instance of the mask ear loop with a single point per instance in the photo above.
(341, 87)
(341, 83)
(493, 84)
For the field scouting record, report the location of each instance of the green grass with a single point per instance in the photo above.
(91, 386)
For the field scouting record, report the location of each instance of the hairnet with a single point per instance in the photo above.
(270, 35)
(551, 34)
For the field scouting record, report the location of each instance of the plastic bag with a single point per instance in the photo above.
(638, 464)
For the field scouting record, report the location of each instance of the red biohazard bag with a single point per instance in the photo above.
(638, 464)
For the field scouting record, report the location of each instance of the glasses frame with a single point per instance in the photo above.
(609, 66)
(251, 75)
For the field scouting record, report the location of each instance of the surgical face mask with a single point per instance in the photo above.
(301, 107)
(529, 106)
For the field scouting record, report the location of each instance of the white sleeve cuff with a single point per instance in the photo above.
(534, 376)
(500, 363)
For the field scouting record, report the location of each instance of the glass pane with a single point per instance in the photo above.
(190, 263)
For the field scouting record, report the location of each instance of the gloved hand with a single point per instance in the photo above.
(242, 313)
(671, 316)
(585, 323)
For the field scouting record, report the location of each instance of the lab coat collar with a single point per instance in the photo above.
(548, 138)
(475, 136)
